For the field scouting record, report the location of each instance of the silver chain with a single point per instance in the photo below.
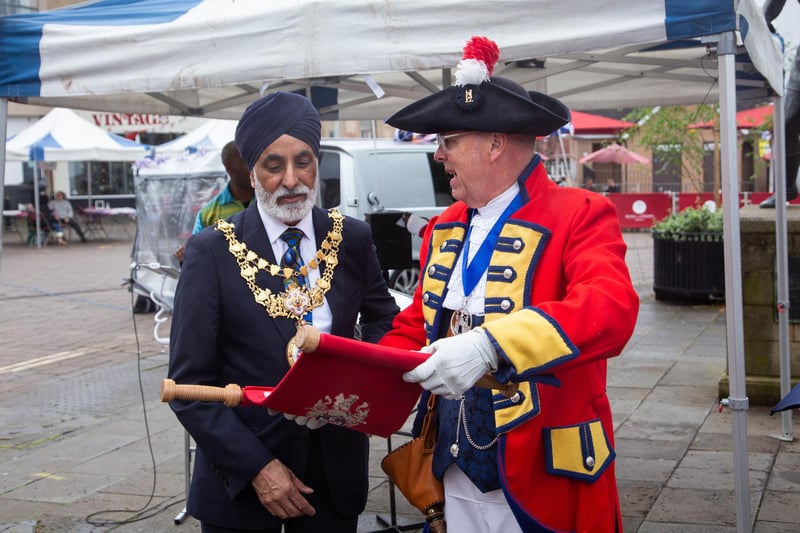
(462, 413)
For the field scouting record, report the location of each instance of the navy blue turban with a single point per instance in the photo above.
(274, 115)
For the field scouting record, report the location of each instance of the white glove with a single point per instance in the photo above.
(416, 224)
(456, 364)
(314, 423)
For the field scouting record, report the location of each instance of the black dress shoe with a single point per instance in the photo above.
(769, 203)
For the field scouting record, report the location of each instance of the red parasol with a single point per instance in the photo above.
(614, 153)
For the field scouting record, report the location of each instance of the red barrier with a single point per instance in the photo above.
(641, 210)
(695, 200)
(758, 197)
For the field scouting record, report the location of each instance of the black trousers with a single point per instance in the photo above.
(326, 520)
(74, 225)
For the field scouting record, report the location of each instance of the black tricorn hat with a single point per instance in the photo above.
(478, 102)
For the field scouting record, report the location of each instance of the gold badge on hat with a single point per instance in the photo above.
(476, 67)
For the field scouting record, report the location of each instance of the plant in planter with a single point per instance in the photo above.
(688, 256)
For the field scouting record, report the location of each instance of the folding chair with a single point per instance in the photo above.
(92, 225)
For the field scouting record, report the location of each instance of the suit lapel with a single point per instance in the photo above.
(322, 225)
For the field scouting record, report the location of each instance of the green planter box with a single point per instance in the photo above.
(688, 266)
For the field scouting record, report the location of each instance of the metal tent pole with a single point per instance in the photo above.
(737, 399)
(3, 136)
(37, 207)
(782, 259)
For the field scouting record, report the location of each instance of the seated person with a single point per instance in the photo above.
(47, 222)
(63, 212)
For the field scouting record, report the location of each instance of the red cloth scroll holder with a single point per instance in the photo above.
(342, 381)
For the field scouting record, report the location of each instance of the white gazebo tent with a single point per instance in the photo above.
(359, 60)
(214, 134)
(62, 135)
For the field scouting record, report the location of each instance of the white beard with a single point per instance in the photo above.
(268, 202)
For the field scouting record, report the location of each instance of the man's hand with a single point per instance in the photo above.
(281, 492)
(456, 365)
(179, 253)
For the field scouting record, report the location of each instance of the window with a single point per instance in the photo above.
(329, 170)
(15, 7)
(404, 178)
(667, 168)
(441, 182)
(100, 178)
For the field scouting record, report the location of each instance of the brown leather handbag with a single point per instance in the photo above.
(410, 469)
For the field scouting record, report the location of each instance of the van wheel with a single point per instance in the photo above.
(144, 305)
(405, 280)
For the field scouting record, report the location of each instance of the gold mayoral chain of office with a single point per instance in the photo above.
(295, 301)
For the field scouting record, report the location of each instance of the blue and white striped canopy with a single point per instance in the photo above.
(62, 135)
(212, 57)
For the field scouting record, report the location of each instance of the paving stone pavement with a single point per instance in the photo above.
(86, 445)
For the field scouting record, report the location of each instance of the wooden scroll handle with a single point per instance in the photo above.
(306, 338)
(488, 381)
(230, 395)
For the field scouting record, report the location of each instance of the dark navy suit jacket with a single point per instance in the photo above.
(221, 335)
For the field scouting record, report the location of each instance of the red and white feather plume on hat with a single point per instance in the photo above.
(477, 64)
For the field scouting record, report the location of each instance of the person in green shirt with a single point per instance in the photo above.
(234, 197)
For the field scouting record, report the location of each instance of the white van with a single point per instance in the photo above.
(365, 176)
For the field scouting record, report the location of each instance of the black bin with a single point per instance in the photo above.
(691, 267)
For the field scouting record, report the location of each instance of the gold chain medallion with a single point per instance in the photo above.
(294, 302)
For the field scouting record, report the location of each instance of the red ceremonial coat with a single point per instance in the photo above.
(559, 302)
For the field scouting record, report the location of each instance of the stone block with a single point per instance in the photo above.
(759, 300)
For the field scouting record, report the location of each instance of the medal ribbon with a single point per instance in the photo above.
(471, 274)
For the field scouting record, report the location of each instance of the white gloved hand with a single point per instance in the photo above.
(314, 423)
(415, 224)
(456, 364)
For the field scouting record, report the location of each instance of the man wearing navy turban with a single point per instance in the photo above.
(256, 470)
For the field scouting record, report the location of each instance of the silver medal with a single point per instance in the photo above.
(461, 321)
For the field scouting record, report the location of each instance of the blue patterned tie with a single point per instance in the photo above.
(292, 259)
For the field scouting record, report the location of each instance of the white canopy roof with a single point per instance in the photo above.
(363, 60)
(206, 162)
(196, 153)
(62, 135)
(214, 134)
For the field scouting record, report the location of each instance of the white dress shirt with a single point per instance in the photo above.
(481, 224)
(321, 316)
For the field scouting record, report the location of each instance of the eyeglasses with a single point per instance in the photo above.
(442, 139)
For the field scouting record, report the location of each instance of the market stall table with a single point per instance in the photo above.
(93, 220)
(11, 221)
